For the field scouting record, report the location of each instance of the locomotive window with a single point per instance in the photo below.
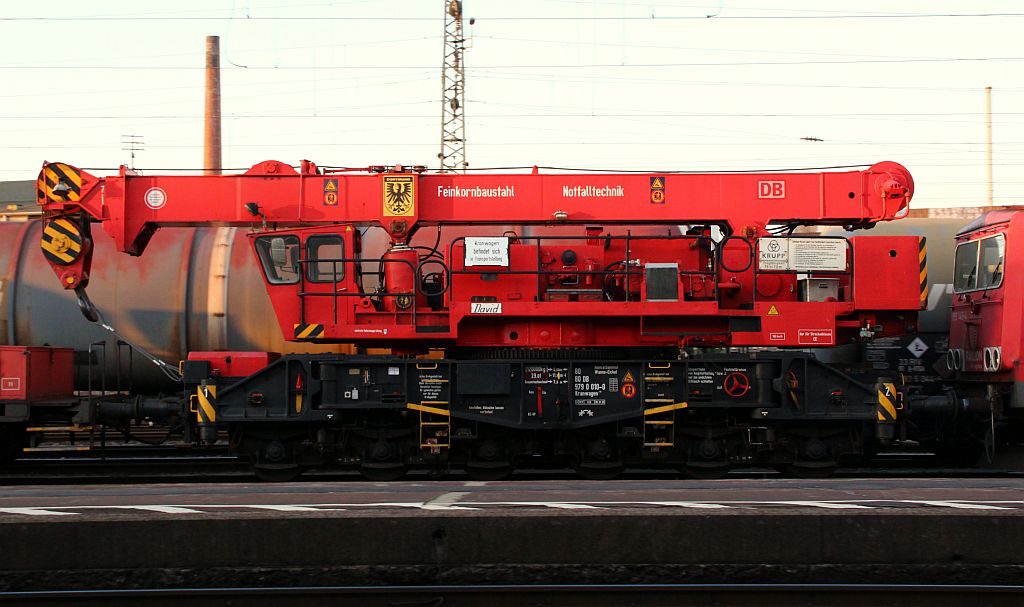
(979, 264)
(990, 266)
(279, 257)
(325, 253)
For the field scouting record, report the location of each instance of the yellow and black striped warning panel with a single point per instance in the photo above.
(309, 331)
(887, 398)
(59, 182)
(206, 412)
(922, 257)
(61, 241)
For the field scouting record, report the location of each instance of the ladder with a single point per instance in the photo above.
(659, 406)
(435, 427)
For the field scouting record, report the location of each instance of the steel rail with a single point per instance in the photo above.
(513, 595)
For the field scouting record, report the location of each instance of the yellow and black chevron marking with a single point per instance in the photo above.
(309, 331)
(59, 182)
(206, 412)
(922, 256)
(61, 241)
(886, 408)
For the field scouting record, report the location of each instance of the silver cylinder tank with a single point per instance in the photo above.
(195, 289)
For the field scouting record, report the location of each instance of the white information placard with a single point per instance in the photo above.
(803, 254)
(487, 251)
(810, 254)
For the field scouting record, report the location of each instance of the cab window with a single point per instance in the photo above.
(979, 264)
(990, 266)
(279, 257)
(325, 253)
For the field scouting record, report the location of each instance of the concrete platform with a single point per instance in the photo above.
(540, 532)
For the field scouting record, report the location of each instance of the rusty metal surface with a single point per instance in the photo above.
(195, 290)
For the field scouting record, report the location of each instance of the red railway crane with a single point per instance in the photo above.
(582, 316)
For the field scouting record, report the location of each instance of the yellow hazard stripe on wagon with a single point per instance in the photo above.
(886, 408)
(309, 331)
(665, 409)
(59, 182)
(922, 257)
(207, 397)
(426, 409)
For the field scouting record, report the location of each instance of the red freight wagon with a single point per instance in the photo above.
(35, 373)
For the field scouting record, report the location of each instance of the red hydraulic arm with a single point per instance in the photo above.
(610, 290)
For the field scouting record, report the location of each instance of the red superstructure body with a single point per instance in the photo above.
(722, 272)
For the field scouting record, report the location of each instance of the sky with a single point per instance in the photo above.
(607, 84)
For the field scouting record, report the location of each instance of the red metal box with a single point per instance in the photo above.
(36, 373)
(235, 364)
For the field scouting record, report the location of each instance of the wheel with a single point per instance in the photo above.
(382, 473)
(489, 472)
(707, 460)
(814, 459)
(277, 473)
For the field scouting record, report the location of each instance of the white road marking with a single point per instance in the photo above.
(451, 501)
(703, 505)
(962, 505)
(830, 505)
(475, 484)
(163, 509)
(34, 511)
(556, 505)
(286, 508)
(446, 502)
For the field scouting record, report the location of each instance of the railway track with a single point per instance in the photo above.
(836, 595)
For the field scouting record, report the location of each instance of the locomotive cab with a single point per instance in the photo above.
(985, 332)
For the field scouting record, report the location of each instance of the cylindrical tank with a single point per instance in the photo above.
(194, 289)
(400, 263)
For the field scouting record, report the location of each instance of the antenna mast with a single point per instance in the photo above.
(453, 91)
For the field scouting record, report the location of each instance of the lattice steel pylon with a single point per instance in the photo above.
(453, 92)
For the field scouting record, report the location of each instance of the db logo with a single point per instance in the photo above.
(771, 189)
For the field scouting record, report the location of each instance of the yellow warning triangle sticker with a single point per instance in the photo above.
(628, 377)
(330, 186)
(773, 311)
(657, 184)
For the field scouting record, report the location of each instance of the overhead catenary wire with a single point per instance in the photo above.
(398, 17)
(545, 66)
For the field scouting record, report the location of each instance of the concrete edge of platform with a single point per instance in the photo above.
(486, 549)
